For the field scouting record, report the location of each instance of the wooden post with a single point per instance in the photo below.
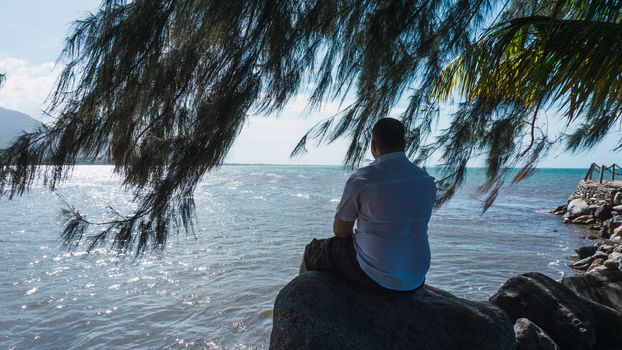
(602, 172)
(613, 171)
(589, 174)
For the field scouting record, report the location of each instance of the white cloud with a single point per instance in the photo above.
(27, 85)
(270, 139)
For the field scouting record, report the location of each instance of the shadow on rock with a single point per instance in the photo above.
(571, 321)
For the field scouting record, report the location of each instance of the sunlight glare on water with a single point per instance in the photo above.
(217, 291)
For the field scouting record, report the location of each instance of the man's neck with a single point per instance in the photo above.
(390, 155)
(391, 150)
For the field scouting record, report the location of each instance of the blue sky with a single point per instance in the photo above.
(31, 38)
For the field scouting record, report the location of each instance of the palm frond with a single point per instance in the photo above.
(569, 61)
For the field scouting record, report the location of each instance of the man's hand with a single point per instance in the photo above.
(342, 229)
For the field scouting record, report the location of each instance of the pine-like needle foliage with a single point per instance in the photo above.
(161, 88)
(542, 55)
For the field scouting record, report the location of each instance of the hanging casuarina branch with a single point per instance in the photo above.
(161, 88)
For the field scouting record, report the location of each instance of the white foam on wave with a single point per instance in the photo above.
(554, 263)
(274, 175)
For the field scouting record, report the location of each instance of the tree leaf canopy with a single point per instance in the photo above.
(161, 88)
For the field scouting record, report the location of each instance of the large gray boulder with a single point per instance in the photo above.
(318, 310)
(577, 207)
(571, 321)
(604, 287)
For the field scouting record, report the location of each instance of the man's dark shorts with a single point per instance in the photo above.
(337, 255)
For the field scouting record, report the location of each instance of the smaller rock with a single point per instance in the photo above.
(599, 255)
(603, 212)
(612, 224)
(593, 235)
(617, 208)
(584, 220)
(618, 249)
(584, 252)
(615, 222)
(531, 337)
(596, 263)
(617, 230)
(617, 198)
(613, 262)
(607, 247)
(604, 228)
(561, 210)
(577, 207)
(581, 267)
(590, 259)
(597, 270)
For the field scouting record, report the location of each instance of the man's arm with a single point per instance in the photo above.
(342, 229)
(348, 208)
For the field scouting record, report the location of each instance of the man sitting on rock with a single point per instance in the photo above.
(391, 203)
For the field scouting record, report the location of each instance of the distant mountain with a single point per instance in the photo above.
(13, 124)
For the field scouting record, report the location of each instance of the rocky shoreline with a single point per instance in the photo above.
(529, 312)
(605, 223)
(598, 265)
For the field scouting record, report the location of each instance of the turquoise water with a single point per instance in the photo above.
(217, 291)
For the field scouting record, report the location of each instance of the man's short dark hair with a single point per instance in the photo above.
(388, 133)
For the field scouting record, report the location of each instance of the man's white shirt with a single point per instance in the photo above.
(391, 202)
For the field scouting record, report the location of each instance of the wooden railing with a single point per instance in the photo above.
(601, 169)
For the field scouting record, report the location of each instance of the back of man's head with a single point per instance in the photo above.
(388, 133)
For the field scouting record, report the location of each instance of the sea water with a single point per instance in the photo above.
(216, 291)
